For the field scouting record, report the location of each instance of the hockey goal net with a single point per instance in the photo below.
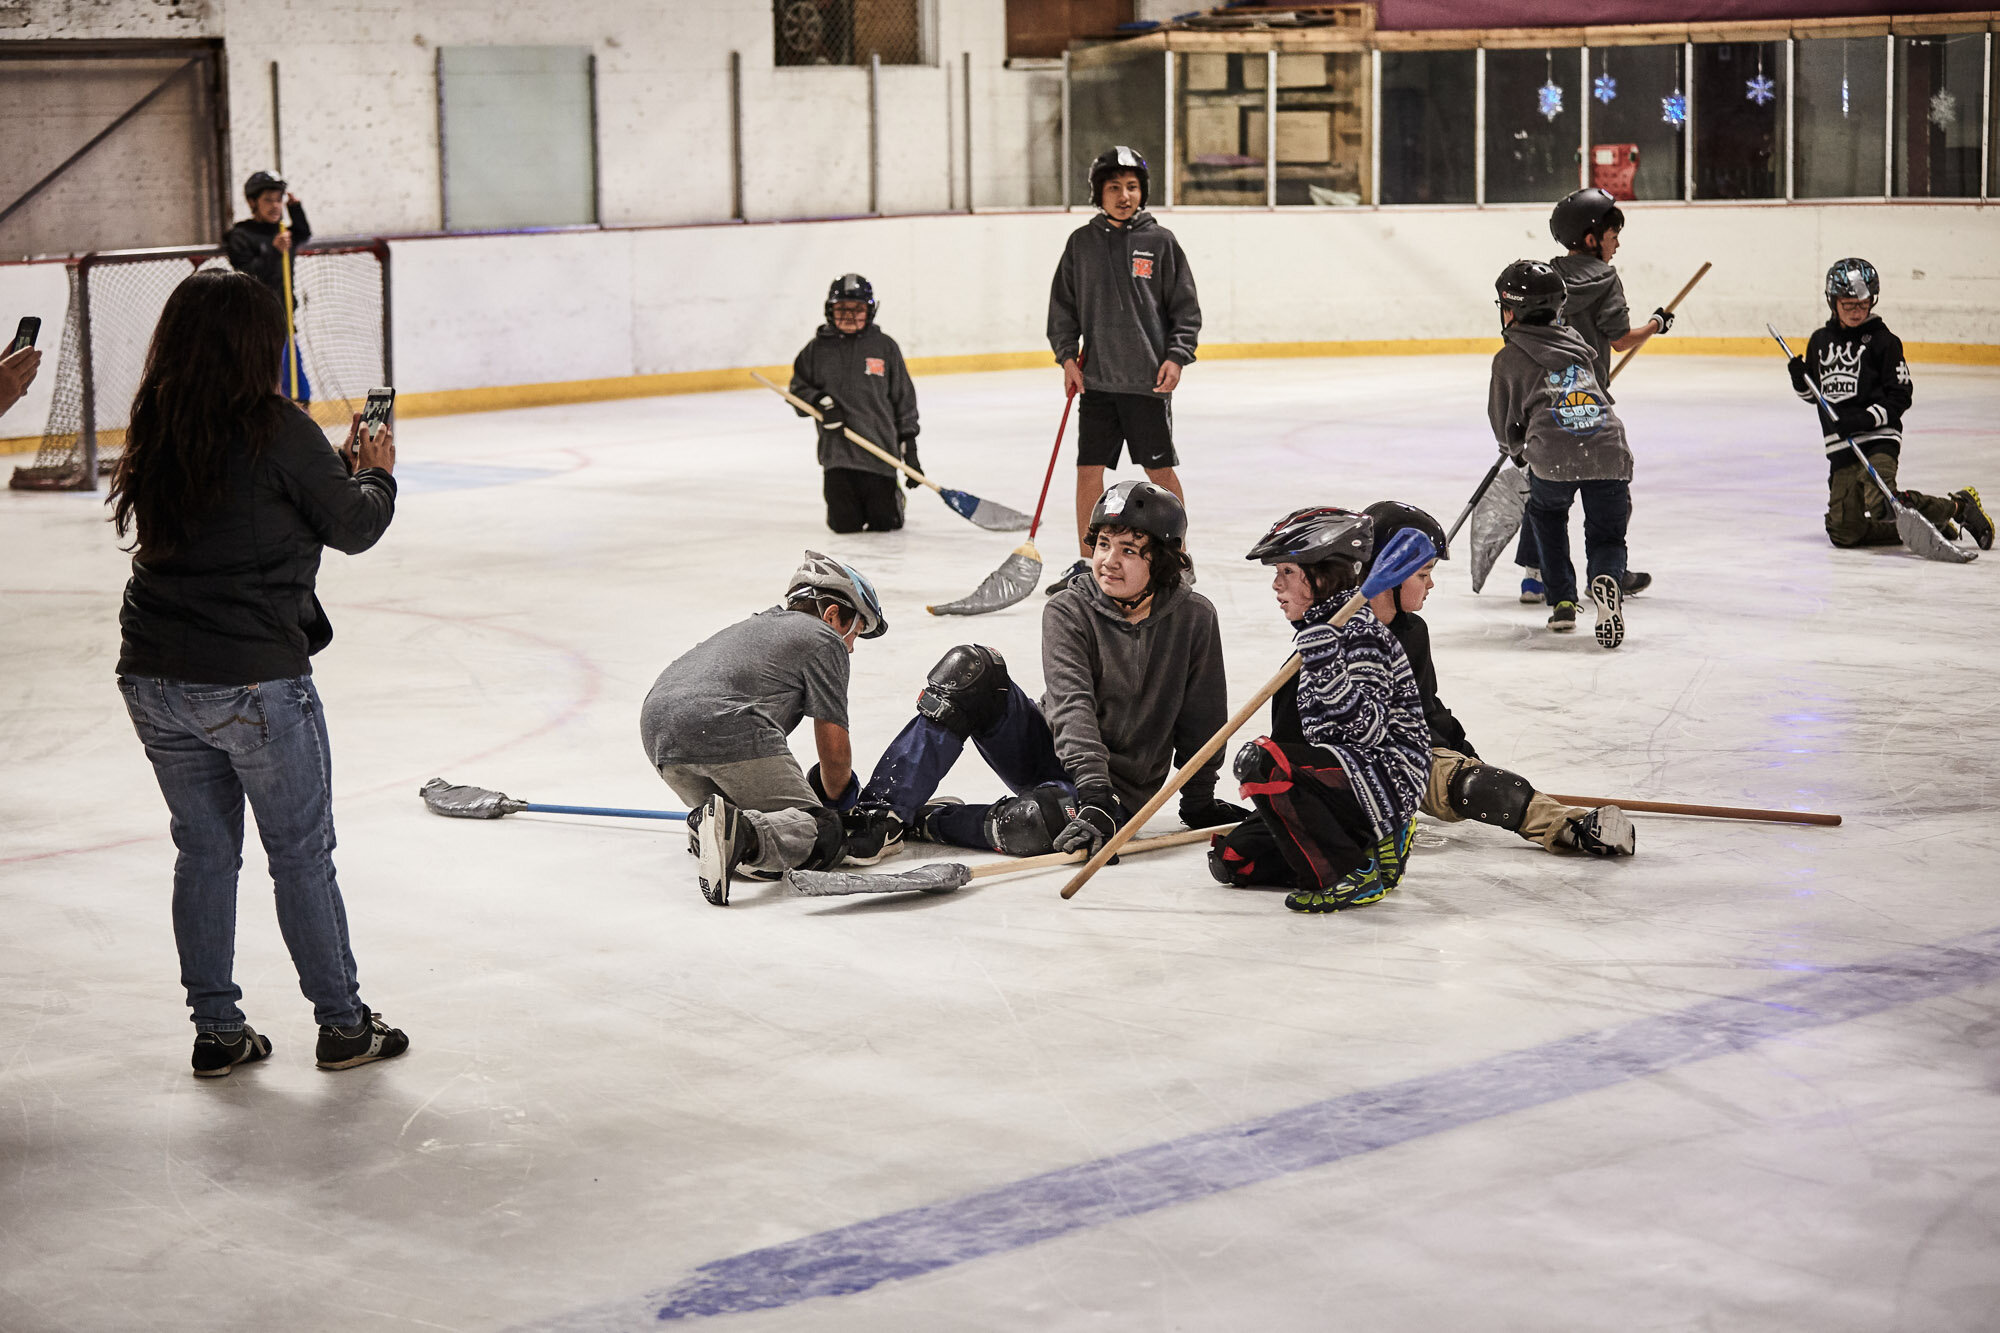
(115, 299)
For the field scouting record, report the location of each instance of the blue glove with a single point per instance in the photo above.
(1409, 552)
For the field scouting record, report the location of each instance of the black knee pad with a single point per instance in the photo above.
(1254, 763)
(1490, 795)
(1026, 825)
(829, 843)
(966, 692)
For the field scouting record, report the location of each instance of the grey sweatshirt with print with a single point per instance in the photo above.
(1128, 703)
(1547, 407)
(1127, 296)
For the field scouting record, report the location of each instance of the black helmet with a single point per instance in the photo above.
(1528, 287)
(1579, 214)
(1854, 279)
(1315, 535)
(259, 182)
(851, 287)
(1392, 516)
(1114, 160)
(1142, 507)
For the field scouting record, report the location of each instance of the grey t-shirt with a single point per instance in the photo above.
(739, 693)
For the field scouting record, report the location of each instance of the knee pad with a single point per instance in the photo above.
(966, 692)
(1490, 795)
(1026, 825)
(1261, 768)
(829, 842)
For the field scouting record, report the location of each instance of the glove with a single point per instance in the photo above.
(1095, 820)
(848, 794)
(1207, 812)
(908, 450)
(1665, 316)
(831, 418)
(1853, 422)
(1797, 365)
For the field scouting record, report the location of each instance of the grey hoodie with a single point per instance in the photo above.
(1128, 295)
(1596, 306)
(1546, 406)
(1128, 703)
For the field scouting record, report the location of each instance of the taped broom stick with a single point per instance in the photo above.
(1703, 811)
(1671, 307)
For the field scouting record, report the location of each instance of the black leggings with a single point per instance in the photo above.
(1308, 833)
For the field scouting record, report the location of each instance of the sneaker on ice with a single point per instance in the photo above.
(1610, 600)
(1531, 586)
(1972, 516)
(370, 1039)
(1081, 566)
(717, 853)
(216, 1053)
(925, 829)
(874, 832)
(1563, 619)
(1632, 581)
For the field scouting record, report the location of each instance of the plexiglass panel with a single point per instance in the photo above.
(1220, 137)
(1938, 84)
(1638, 116)
(517, 139)
(1739, 121)
(1117, 99)
(1841, 112)
(1531, 124)
(1428, 126)
(1322, 148)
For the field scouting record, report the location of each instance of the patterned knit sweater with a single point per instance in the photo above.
(1359, 700)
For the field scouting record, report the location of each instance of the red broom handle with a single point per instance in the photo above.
(1054, 454)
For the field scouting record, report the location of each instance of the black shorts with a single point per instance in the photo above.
(1145, 421)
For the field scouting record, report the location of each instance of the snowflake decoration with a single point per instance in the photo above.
(1674, 109)
(1604, 89)
(1944, 110)
(1761, 90)
(1549, 100)
(1843, 97)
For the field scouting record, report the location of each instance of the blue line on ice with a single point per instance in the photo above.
(922, 1240)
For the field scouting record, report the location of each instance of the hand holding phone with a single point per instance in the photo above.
(24, 336)
(375, 412)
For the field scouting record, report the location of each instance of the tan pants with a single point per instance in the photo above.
(1857, 514)
(1543, 822)
(772, 796)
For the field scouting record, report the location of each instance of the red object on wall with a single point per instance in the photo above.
(1612, 166)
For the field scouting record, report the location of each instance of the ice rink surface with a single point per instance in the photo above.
(1746, 1080)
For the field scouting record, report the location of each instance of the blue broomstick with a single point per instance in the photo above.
(445, 798)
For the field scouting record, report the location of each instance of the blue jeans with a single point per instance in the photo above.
(212, 746)
(1607, 508)
(1019, 748)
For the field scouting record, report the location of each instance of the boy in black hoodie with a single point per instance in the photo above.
(854, 374)
(1123, 321)
(263, 246)
(1858, 364)
(1552, 416)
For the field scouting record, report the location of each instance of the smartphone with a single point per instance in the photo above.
(24, 336)
(375, 413)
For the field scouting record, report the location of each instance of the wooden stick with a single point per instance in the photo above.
(854, 439)
(1706, 811)
(1048, 859)
(1201, 756)
(1671, 306)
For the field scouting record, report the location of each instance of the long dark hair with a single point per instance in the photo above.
(209, 390)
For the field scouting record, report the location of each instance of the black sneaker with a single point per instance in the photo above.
(1063, 582)
(216, 1053)
(925, 829)
(370, 1039)
(1972, 516)
(874, 832)
(1632, 581)
(1605, 831)
(1563, 619)
(1610, 601)
(716, 849)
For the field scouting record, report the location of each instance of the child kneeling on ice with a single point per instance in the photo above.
(1336, 813)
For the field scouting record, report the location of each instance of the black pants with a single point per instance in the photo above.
(862, 501)
(1308, 833)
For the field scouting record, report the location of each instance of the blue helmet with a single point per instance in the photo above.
(823, 576)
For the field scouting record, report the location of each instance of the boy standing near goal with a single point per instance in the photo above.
(854, 374)
(261, 246)
(1123, 321)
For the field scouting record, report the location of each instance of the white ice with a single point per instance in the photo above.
(612, 1083)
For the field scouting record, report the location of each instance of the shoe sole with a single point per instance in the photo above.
(1610, 601)
(888, 850)
(358, 1060)
(1532, 599)
(712, 869)
(1615, 831)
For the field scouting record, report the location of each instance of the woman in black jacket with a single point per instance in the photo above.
(229, 493)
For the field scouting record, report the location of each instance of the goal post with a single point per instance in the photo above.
(341, 292)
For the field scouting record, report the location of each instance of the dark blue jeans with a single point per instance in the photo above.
(1019, 748)
(1607, 508)
(213, 746)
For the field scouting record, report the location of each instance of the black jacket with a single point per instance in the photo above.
(250, 249)
(1127, 296)
(236, 605)
(1415, 636)
(1863, 374)
(865, 374)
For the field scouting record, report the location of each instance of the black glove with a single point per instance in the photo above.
(1207, 812)
(848, 794)
(1797, 365)
(1095, 820)
(1665, 316)
(1853, 422)
(831, 418)
(908, 450)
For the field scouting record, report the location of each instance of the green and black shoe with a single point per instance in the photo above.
(1972, 516)
(1357, 888)
(1392, 854)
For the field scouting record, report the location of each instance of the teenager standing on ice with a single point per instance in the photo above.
(262, 245)
(1132, 664)
(854, 374)
(1123, 322)
(1858, 364)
